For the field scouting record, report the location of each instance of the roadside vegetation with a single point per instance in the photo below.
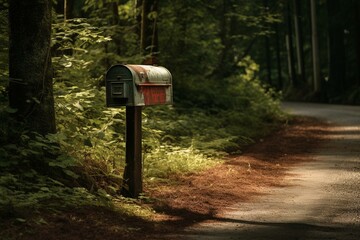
(82, 164)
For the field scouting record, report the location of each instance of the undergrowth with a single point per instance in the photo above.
(83, 162)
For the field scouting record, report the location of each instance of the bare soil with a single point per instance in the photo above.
(189, 199)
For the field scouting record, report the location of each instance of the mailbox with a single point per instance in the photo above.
(138, 85)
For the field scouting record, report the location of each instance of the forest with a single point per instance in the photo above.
(232, 63)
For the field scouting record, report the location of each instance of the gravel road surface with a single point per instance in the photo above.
(322, 199)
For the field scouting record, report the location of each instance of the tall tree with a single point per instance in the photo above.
(267, 50)
(336, 48)
(299, 40)
(289, 46)
(278, 57)
(357, 41)
(315, 48)
(69, 8)
(226, 24)
(149, 32)
(30, 71)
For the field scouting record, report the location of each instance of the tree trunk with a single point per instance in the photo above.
(299, 41)
(69, 8)
(149, 32)
(30, 86)
(66, 10)
(115, 12)
(278, 57)
(267, 51)
(336, 49)
(225, 65)
(268, 60)
(289, 45)
(315, 48)
(357, 21)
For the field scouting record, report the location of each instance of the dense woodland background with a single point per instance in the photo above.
(232, 62)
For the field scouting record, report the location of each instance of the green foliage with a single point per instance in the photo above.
(34, 191)
(167, 160)
(76, 34)
(199, 38)
(77, 47)
(186, 46)
(83, 163)
(36, 174)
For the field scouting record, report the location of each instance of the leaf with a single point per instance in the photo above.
(56, 182)
(11, 110)
(71, 173)
(41, 221)
(20, 220)
(45, 189)
(63, 161)
(5, 163)
(78, 106)
(87, 142)
(30, 174)
(36, 100)
(11, 147)
(101, 135)
(3, 154)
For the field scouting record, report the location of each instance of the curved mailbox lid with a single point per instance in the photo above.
(145, 75)
(153, 85)
(118, 72)
(141, 74)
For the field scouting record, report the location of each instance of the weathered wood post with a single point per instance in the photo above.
(132, 185)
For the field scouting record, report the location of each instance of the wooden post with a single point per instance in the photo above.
(132, 185)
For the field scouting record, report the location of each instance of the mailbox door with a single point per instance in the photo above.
(153, 85)
(119, 86)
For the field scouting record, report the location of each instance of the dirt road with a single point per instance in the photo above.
(321, 200)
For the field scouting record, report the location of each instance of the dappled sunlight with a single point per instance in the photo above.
(239, 179)
(345, 132)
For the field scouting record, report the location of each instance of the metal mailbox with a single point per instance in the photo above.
(138, 85)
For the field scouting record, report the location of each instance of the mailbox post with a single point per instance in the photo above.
(136, 86)
(132, 185)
